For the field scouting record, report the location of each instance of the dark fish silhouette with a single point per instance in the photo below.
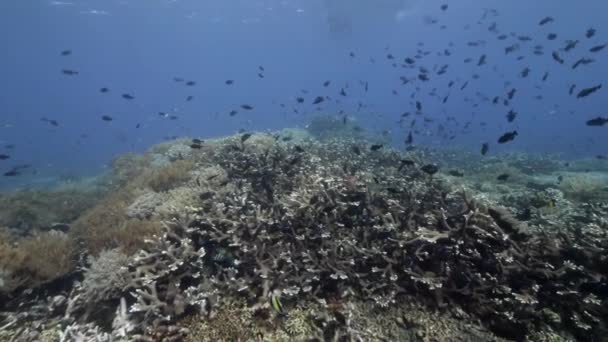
(503, 177)
(106, 118)
(509, 136)
(444, 7)
(485, 147)
(599, 121)
(50, 121)
(66, 52)
(300, 99)
(430, 169)
(128, 96)
(545, 20)
(511, 116)
(545, 76)
(229, 82)
(178, 79)
(482, 60)
(571, 90)
(318, 100)
(233, 113)
(410, 139)
(557, 58)
(342, 92)
(582, 61)
(247, 107)
(590, 32)
(104, 90)
(190, 83)
(588, 91)
(525, 72)
(69, 72)
(189, 98)
(4, 156)
(511, 93)
(376, 147)
(551, 36)
(598, 48)
(326, 83)
(570, 44)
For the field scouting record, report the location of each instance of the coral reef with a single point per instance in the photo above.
(259, 237)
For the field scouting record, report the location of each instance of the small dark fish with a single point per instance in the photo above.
(511, 48)
(245, 136)
(599, 121)
(410, 139)
(582, 61)
(598, 48)
(233, 113)
(390, 56)
(247, 107)
(430, 169)
(482, 60)
(525, 72)
(69, 72)
(197, 141)
(138, 125)
(601, 157)
(4, 156)
(66, 52)
(405, 162)
(104, 90)
(229, 82)
(356, 150)
(261, 68)
(196, 146)
(511, 93)
(464, 85)
(588, 91)
(376, 147)
(342, 92)
(502, 37)
(571, 90)
(545, 76)
(545, 20)
(12, 173)
(409, 60)
(511, 116)
(50, 121)
(485, 147)
(189, 98)
(551, 36)
(352, 54)
(557, 58)
(128, 96)
(503, 177)
(318, 100)
(178, 79)
(295, 160)
(106, 118)
(444, 7)
(190, 83)
(570, 44)
(590, 32)
(298, 149)
(418, 106)
(326, 83)
(456, 173)
(300, 99)
(509, 136)
(423, 77)
(260, 75)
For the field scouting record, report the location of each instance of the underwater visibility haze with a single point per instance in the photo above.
(401, 170)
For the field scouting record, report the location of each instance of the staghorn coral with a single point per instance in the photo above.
(144, 206)
(285, 226)
(107, 276)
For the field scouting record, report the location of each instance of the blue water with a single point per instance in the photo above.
(139, 46)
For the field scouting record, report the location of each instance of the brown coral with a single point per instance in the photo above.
(170, 176)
